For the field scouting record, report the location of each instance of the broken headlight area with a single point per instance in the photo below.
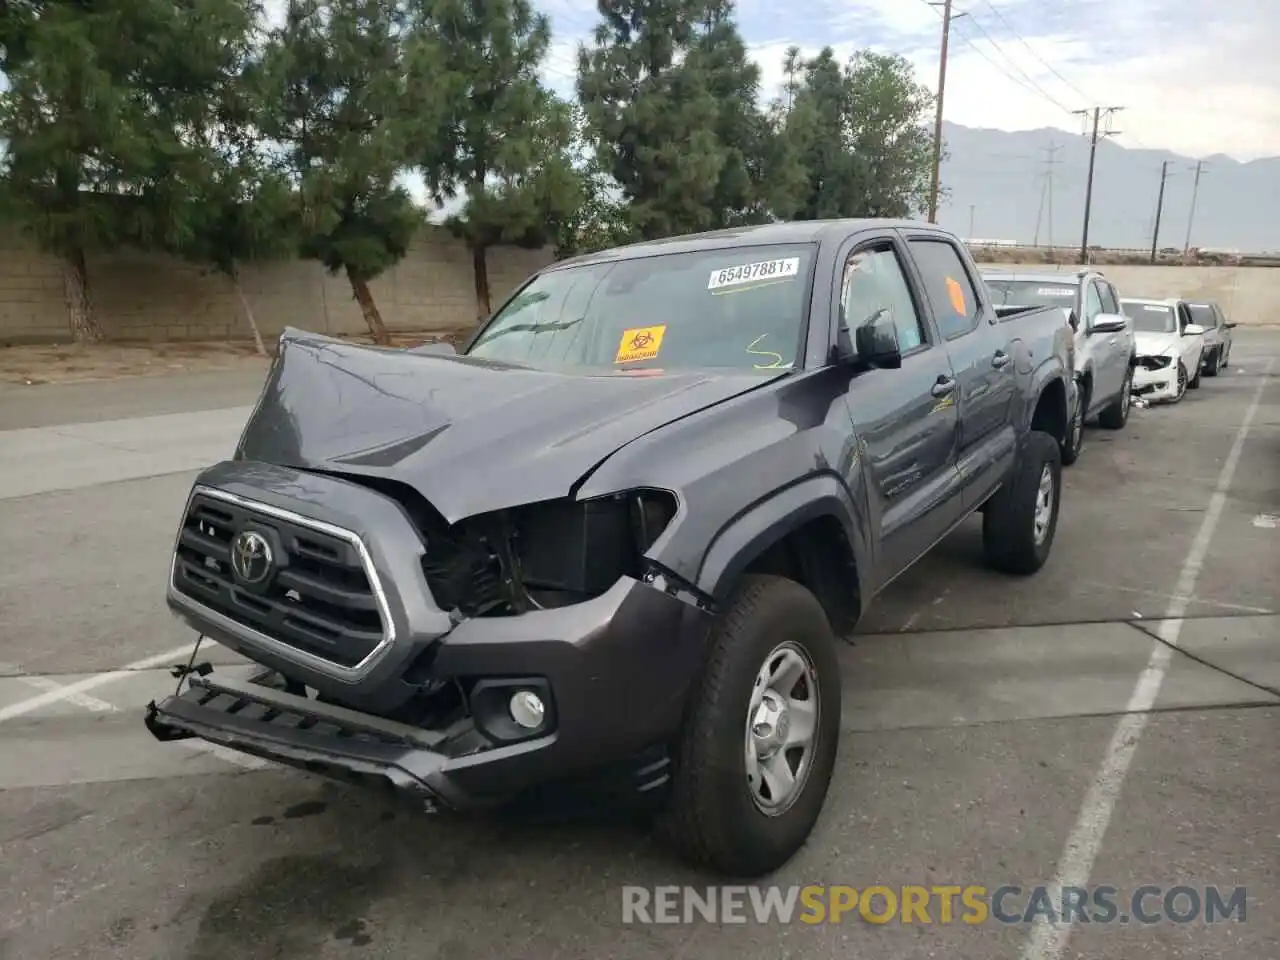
(1154, 363)
(536, 556)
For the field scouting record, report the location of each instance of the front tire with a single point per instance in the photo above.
(1116, 415)
(1194, 382)
(756, 754)
(1214, 363)
(1074, 441)
(1182, 382)
(1022, 517)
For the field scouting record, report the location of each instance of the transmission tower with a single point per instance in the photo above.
(1046, 192)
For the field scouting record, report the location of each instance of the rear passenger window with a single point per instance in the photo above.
(873, 281)
(948, 286)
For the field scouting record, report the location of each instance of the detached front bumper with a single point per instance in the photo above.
(430, 709)
(1155, 378)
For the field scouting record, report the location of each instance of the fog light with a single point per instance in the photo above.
(527, 709)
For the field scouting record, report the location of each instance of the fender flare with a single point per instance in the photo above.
(1048, 372)
(745, 536)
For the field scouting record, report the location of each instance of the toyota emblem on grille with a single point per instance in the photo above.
(251, 556)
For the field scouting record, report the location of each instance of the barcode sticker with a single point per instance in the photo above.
(753, 272)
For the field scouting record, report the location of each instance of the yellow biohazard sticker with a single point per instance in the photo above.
(640, 343)
(956, 293)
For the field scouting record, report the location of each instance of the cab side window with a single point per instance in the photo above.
(1108, 296)
(949, 287)
(873, 281)
(1092, 303)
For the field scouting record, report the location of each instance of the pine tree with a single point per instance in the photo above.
(504, 139)
(654, 117)
(98, 119)
(338, 94)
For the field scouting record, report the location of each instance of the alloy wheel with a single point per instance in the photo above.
(782, 728)
(1044, 504)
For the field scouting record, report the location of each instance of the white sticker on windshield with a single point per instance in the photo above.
(1055, 292)
(754, 272)
(1150, 309)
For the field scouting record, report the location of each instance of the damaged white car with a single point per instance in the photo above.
(1169, 348)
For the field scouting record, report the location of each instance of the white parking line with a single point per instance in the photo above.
(71, 690)
(75, 696)
(1047, 941)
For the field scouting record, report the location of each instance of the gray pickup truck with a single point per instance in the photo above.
(617, 536)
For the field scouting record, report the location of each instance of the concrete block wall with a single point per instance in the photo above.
(147, 297)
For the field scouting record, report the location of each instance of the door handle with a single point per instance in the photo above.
(1000, 359)
(943, 386)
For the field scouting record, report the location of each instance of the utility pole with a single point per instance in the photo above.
(972, 208)
(1046, 192)
(947, 17)
(1093, 150)
(1195, 189)
(1155, 230)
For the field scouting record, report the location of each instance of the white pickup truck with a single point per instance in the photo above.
(1105, 347)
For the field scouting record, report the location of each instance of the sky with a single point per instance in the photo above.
(1198, 78)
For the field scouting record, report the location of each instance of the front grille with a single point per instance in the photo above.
(317, 596)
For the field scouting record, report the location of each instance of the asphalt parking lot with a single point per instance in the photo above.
(1114, 721)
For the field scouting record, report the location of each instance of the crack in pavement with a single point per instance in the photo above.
(1141, 627)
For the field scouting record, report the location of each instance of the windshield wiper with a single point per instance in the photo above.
(535, 328)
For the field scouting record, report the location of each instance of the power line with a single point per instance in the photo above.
(1093, 150)
(1047, 64)
(1039, 89)
(983, 54)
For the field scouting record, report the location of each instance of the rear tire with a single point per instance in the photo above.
(1116, 415)
(715, 817)
(1022, 517)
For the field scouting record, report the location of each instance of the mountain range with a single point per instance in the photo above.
(995, 189)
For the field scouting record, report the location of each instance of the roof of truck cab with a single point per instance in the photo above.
(765, 234)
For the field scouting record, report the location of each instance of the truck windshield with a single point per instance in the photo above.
(1150, 317)
(741, 308)
(1031, 293)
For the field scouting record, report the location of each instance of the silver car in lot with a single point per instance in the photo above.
(1217, 335)
(1105, 348)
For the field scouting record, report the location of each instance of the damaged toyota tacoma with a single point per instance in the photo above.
(617, 535)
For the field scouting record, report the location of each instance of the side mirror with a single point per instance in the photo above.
(1230, 324)
(440, 348)
(877, 341)
(1192, 330)
(1107, 323)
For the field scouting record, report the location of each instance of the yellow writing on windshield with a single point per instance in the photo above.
(778, 361)
(640, 343)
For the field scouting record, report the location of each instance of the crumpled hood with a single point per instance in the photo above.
(1150, 344)
(470, 435)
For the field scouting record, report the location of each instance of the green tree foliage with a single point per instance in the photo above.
(669, 96)
(238, 207)
(859, 135)
(99, 118)
(339, 95)
(600, 220)
(504, 140)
